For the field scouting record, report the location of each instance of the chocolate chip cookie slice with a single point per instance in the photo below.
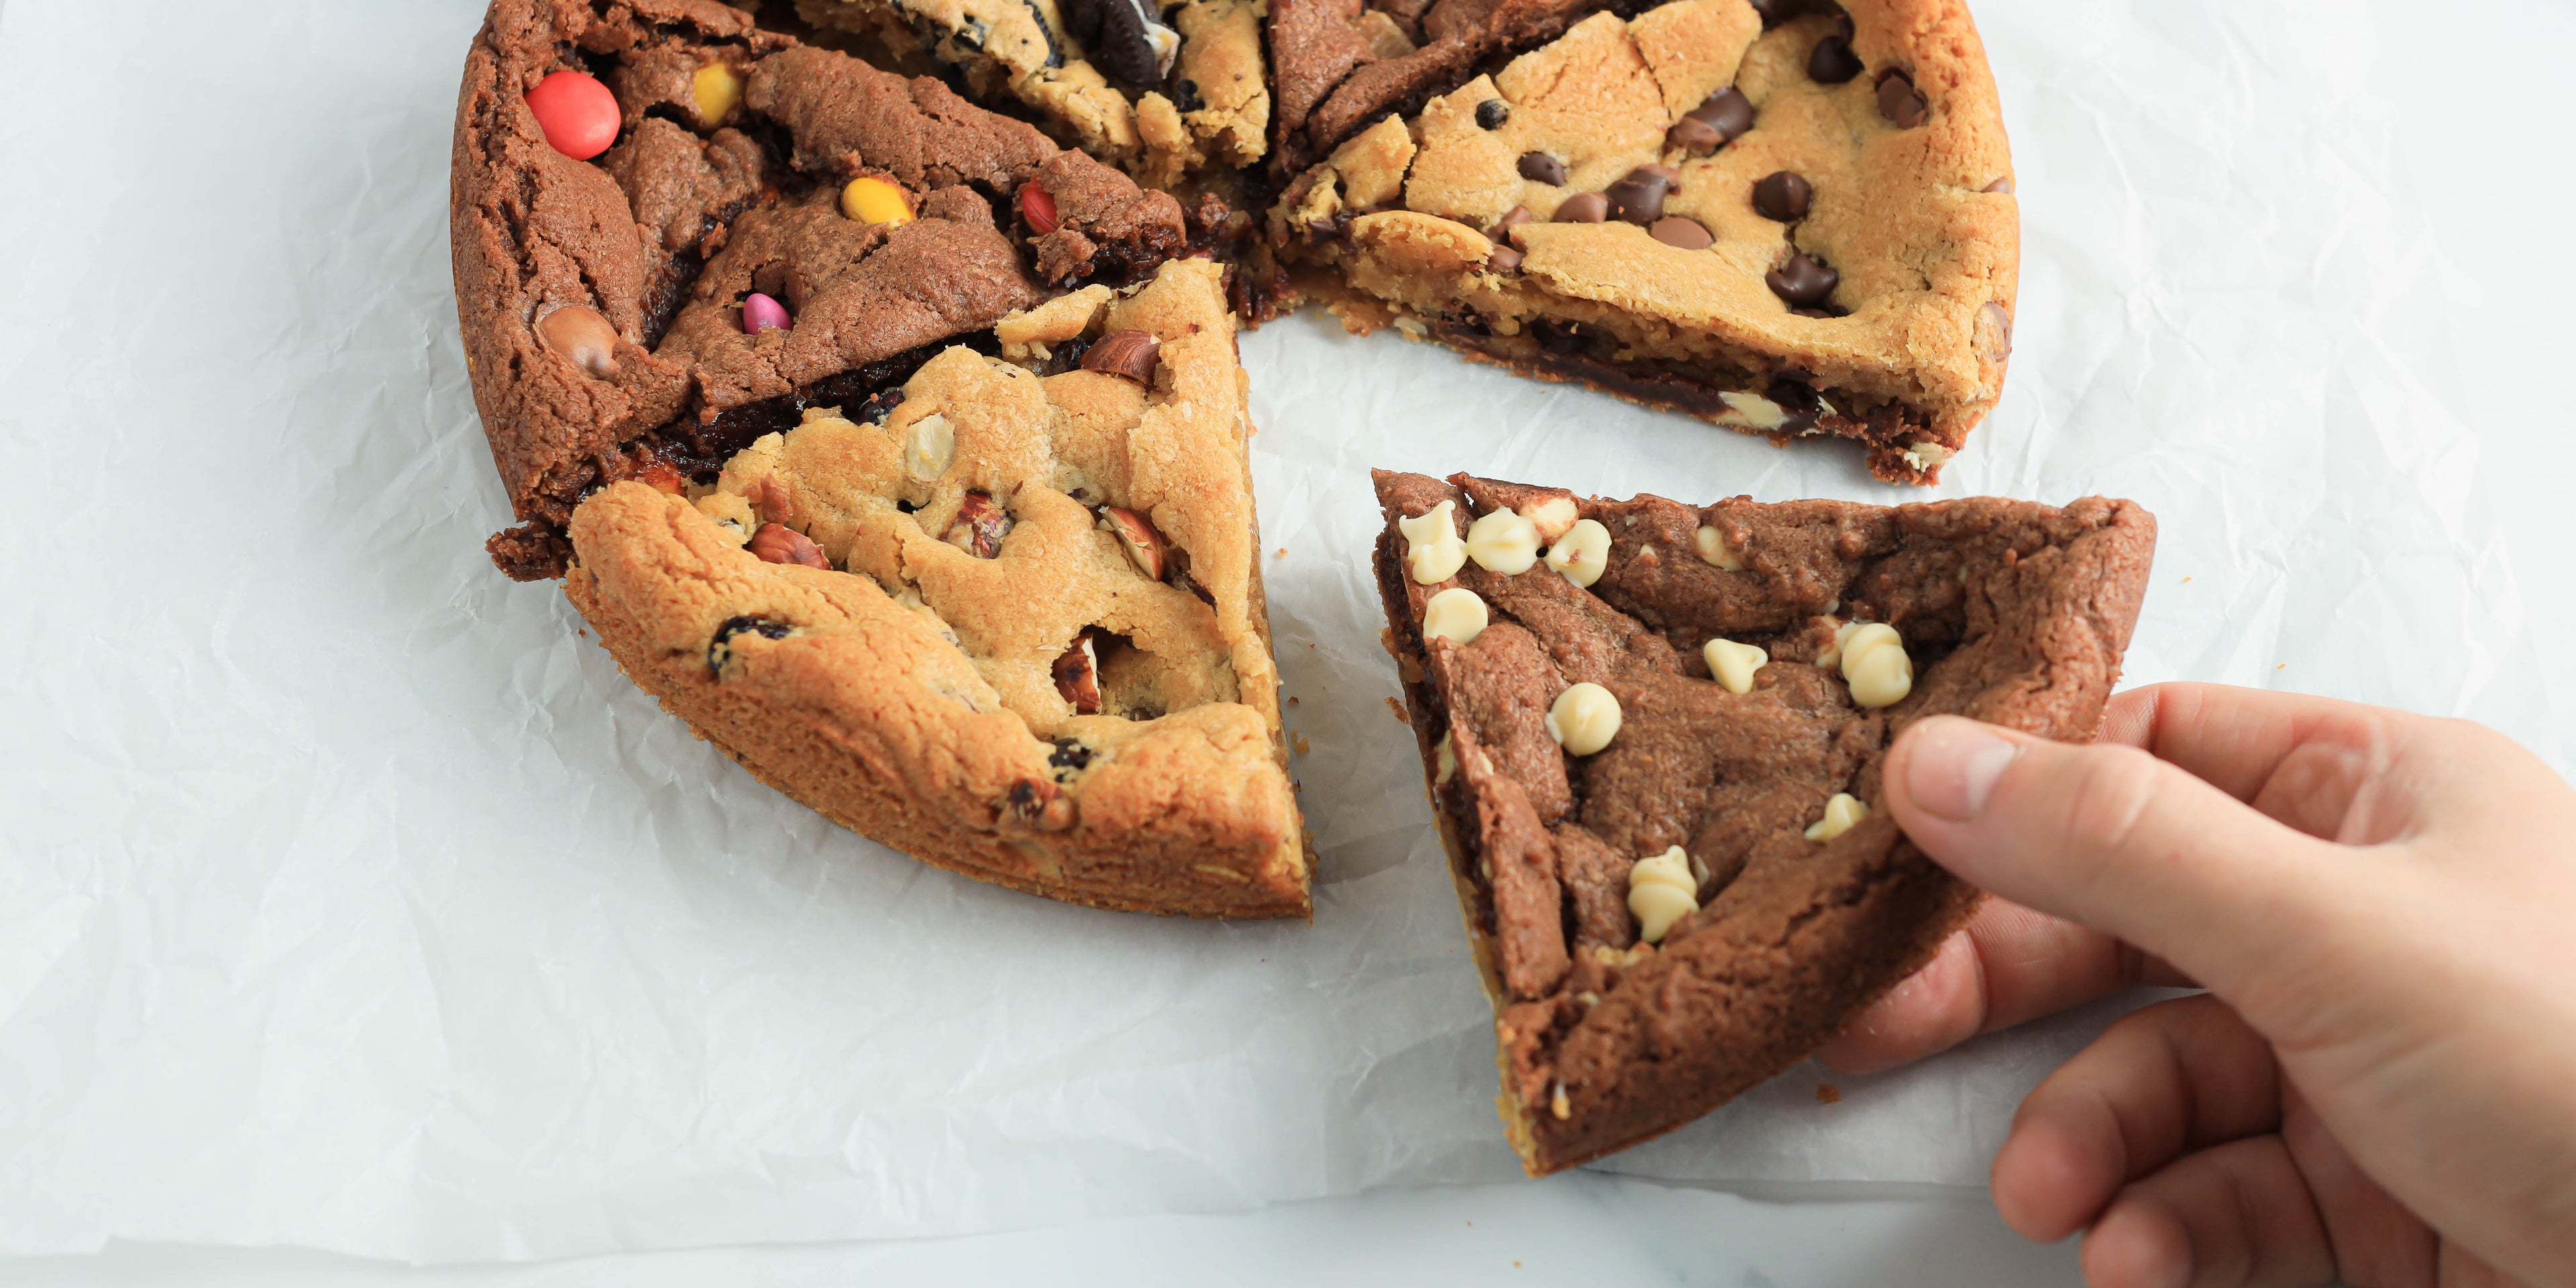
(1804, 229)
(674, 233)
(1654, 734)
(1008, 622)
(1160, 88)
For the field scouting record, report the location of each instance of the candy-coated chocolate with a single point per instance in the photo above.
(871, 200)
(761, 313)
(716, 88)
(577, 113)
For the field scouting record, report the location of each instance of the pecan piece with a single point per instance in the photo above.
(1145, 547)
(981, 524)
(1077, 675)
(1133, 354)
(783, 545)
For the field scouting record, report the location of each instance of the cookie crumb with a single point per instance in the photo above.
(1827, 1095)
(1400, 712)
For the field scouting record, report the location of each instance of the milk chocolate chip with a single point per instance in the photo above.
(1502, 259)
(1133, 354)
(1832, 61)
(580, 336)
(1682, 231)
(2002, 185)
(1539, 167)
(1727, 111)
(1583, 208)
(1782, 196)
(1491, 114)
(1803, 282)
(1639, 198)
(1899, 101)
(1512, 218)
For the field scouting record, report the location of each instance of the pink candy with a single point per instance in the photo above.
(761, 313)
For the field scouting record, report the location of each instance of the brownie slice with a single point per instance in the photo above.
(1680, 882)
(1804, 229)
(602, 301)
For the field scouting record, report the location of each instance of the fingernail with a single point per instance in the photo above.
(1951, 769)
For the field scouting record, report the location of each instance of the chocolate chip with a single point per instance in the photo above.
(1491, 114)
(720, 649)
(1694, 136)
(1070, 757)
(1583, 208)
(1539, 167)
(1798, 401)
(2002, 185)
(1682, 232)
(1782, 196)
(1558, 337)
(1803, 282)
(1728, 111)
(1899, 101)
(1133, 354)
(1503, 259)
(1832, 61)
(1775, 12)
(1672, 178)
(1512, 218)
(1639, 198)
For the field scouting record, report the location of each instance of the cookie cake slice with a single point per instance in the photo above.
(1653, 733)
(1804, 228)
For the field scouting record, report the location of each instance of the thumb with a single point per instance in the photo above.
(2111, 837)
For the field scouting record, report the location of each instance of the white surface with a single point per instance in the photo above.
(354, 903)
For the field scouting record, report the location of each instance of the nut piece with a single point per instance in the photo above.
(1145, 547)
(1583, 719)
(579, 335)
(782, 545)
(1841, 813)
(1503, 542)
(928, 447)
(1552, 517)
(1874, 663)
(1583, 553)
(1733, 664)
(1714, 548)
(1133, 354)
(1456, 615)
(981, 524)
(1077, 675)
(1432, 545)
(1661, 891)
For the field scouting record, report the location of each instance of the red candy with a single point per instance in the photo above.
(578, 114)
(1039, 205)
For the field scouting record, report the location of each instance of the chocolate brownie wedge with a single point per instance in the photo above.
(1801, 230)
(1654, 734)
(1162, 89)
(1008, 622)
(770, 227)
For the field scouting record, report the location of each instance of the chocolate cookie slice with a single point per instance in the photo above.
(1161, 89)
(770, 227)
(1007, 617)
(1654, 734)
(1800, 230)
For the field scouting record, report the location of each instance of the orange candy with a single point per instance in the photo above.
(578, 114)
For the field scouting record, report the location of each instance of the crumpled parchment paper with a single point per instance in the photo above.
(352, 899)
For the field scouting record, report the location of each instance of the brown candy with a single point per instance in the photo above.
(778, 545)
(1491, 114)
(1803, 282)
(1639, 198)
(1133, 354)
(579, 335)
(1539, 167)
(1683, 232)
(981, 524)
(1583, 208)
(1832, 61)
(1782, 196)
(1899, 101)
(1512, 218)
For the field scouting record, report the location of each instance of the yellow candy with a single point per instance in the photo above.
(716, 89)
(875, 201)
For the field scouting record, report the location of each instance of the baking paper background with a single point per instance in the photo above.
(353, 900)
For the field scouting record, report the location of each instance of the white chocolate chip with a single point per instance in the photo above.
(1584, 718)
(1432, 545)
(1456, 614)
(1559, 1105)
(1841, 813)
(928, 447)
(1552, 517)
(1661, 891)
(1503, 542)
(1875, 664)
(1734, 664)
(1714, 549)
(1448, 763)
(1832, 657)
(1582, 554)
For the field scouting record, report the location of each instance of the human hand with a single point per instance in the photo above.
(2380, 1083)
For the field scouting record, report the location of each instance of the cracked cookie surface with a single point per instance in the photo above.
(2008, 611)
(1027, 642)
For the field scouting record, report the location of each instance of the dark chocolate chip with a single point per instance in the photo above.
(1491, 114)
(1558, 337)
(1682, 232)
(1639, 198)
(1539, 167)
(1798, 404)
(1899, 101)
(1782, 196)
(1512, 218)
(2002, 185)
(1133, 354)
(1185, 96)
(1583, 208)
(720, 649)
(1069, 757)
(1672, 178)
(1775, 12)
(1694, 136)
(1803, 282)
(1729, 111)
(1832, 61)
(1503, 259)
